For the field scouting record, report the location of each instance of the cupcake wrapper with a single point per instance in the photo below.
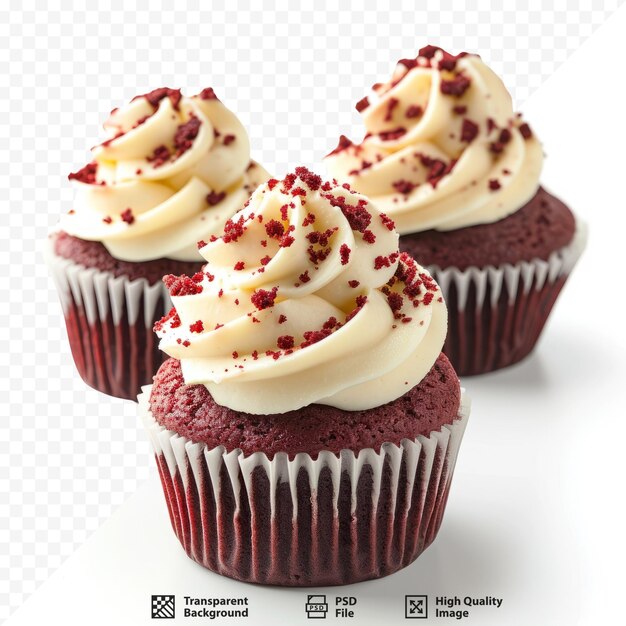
(496, 314)
(109, 324)
(336, 519)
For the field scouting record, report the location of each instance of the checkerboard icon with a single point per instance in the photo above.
(163, 607)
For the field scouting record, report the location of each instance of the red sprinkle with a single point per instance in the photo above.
(415, 110)
(525, 131)
(392, 103)
(469, 130)
(197, 327)
(214, 197)
(354, 283)
(107, 219)
(403, 186)
(228, 139)
(207, 94)
(455, 87)
(344, 144)
(266, 259)
(344, 253)
(182, 285)
(201, 244)
(494, 184)
(459, 109)
(387, 221)
(282, 319)
(285, 342)
(263, 299)
(86, 175)
(304, 277)
(185, 134)
(127, 216)
(362, 104)
(160, 156)
(239, 266)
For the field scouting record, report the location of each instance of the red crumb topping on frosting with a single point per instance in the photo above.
(160, 156)
(155, 96)
(456, 86)
(525, 131)
(344, 253)
(392, 103)
(183, 285)
(403, 186)
(469, 130)
(414, 110)
(494, 184)
(215, 197)
(196, 327)
(387, 221)
(285, 342)
(344, 144)
(239, 266)
(362, 104)
(171, 318)
(264, 299)
(127, 216)
(86, 174)
(185, 134)
(207, 94)
(228, 139)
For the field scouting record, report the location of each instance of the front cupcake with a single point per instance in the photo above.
(171, 171)
(307, 425)
(446, 157)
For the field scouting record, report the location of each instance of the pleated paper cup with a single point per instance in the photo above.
(330, 520)
(109, 324)
(496, 314)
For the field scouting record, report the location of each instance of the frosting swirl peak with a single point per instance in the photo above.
(443, 148)
(172, 169)
(305, 298)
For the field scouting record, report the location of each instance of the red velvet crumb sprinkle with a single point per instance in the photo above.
(207, 94)
(494, 184)
(263, 299)
(86, 174)
(182, 285)
(344, 253)
(362, 104)
(455, 87)
(127, 216)
(414, 110)
(525, 131)
(469, 130)
(197, 327)
(285, 342)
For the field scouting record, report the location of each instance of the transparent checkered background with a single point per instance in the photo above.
(68, 455)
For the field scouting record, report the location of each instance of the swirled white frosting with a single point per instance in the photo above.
(305, 299)
(443, 147)
(171, 172)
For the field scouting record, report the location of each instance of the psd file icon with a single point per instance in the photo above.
(316, 607)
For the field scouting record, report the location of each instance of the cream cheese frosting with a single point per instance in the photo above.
(172, 170)
(443, 149)
(305, 299)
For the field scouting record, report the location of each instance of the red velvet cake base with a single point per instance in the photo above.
(318, 517)
(485, 338)
(241, 537)
(116, 359)
(109, 314)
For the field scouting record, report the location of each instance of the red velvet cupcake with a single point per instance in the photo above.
(171, 172)
(458, 172)
(307, 426)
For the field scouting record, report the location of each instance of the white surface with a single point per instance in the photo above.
(536, 512)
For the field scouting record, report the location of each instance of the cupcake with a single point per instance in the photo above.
(171, 171)
(448, 160)
(307, 425)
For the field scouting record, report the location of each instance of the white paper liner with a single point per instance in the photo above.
(397, 532)
(102, 294)
(109, 324)
(481, 335)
